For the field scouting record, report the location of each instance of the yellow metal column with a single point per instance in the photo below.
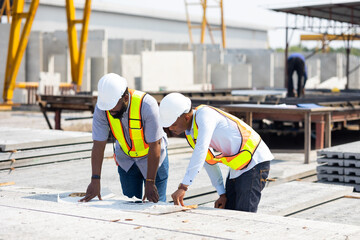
(223, 27)
(7, 8)
(17, 44)
(203, 24)
(77, 55)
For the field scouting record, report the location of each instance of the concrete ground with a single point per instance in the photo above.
(30, 208)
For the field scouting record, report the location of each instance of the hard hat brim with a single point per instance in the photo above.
(106, 106)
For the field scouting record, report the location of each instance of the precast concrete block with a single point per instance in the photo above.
(221, 76)
(98, 34)
(279, 70)
(263, 63)
(131, 70)
(54, 43)
(97, 71)
(354, 76)
(34, 57)
(62, 66)
(331, 162)
(172, 47)
(96, 48)
(330, 170)
(200, 64)
(241, 76)
(116, 47)
(138, 45)
(86, 82)
(166, 70)
(234, 58)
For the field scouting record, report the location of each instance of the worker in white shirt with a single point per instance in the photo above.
(209, 129)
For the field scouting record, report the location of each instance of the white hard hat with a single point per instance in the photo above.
(173, 106)
(111, 87)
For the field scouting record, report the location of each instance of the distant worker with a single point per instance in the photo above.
(209, 129)
(296, 62)
(140, 151)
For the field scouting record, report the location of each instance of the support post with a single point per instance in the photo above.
(17, 44)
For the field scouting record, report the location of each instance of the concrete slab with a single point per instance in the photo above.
(291, 197)
(221, 76)
(343, 210)
(25, 138)
(330, 170)
(352, 151)
(330, 177)
(331, 161)
(24, 215)
(352, 171)
(352, 163)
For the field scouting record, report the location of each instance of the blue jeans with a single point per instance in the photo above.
(244, 192)
(132, 181)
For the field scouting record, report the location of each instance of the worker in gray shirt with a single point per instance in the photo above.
(140, 149)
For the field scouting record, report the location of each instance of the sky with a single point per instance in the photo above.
(253, 12)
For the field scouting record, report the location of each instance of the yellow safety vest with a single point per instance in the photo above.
(249, 143)
(138, 146)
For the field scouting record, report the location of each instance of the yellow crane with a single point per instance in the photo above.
(18, 40)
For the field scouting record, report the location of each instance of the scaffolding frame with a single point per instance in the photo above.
(205, 23)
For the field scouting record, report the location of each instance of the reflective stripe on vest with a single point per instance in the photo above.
(138, 146)
(249, 143)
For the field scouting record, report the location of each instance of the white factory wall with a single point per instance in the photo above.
(130, 23)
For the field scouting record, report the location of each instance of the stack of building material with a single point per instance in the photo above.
(340, 164)
(20, 147)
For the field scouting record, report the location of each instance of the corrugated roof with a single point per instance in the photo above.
(348, 12)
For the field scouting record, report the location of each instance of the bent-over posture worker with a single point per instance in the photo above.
(208, 129)
(140, 150)
(296, 62)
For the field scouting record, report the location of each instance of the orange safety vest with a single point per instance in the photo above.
(138, 146)
(249, 143)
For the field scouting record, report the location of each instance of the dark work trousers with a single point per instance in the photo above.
(244, 192)
(295, 64)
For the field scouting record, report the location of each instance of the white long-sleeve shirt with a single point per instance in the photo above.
(222, 134)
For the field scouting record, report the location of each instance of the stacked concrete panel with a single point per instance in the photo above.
(34, 57)
(340, 164)
(116, 47)
(97, 47)
(137, 46)
(263, 66)
(131, 70)
(167, 71)
(20, 147)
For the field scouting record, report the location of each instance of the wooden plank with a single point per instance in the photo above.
(5, 156)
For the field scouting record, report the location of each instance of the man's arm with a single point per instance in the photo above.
(151, 192)
(97, 156)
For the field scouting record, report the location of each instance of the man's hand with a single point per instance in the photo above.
(151, 192)
(178, 197)
(220, 203)
(92, 191)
